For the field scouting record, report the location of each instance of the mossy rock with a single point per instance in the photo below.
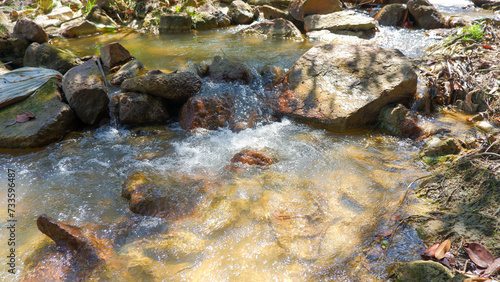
(53, 119)
(422, 271)
(50, 57)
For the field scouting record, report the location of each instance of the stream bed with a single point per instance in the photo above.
(344, 188)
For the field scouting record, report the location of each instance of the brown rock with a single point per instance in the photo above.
(30, 31)
(299, 9)
(131, 69)
(50, 57)
(222, 70)
(345, 86)
(114, 54)
(426, 15)
(141, 109)
(272, 75)
(12, 49)
(84, 88)
(242, 13)
(99, 16)
(179, 22)
(391, 15)
(253, 157)
(399, 121)
(207, 112)
(84, 28)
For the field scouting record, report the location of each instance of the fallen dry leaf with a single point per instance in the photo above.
(479, 254)
(493, 268)
(24, 117)
(431, 251)
(442, 249)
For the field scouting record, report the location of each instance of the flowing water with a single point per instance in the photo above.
(312, 215)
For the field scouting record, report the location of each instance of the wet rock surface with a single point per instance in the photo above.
(129, 70)
(50, 57)
(175, 23)
(343, 87)
(141, 109)
(207, 112)
(399, 121)
(439, 147)
(224, 69)
(12, 51)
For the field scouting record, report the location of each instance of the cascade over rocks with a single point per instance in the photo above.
(176, 87)
(207, 112)
(84, 88)
(50, 57)
(426, 15)
(343, 87)
(276, 28)
(53, 119)
(30, 31)
(299, 9)
(242, 13)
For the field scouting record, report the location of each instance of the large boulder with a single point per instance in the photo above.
(141, 109)
(86, 92)
(226, 70)
(30, 31)
(391, 15)
(242, 13)
(426, 15)
(80, 29)
(131, 69)
(343, 20)
(207, 112)
(299, 9)
(50, 57)
(114, 54)
(176, 87)
(53, 119)
(180, 22)
(12, 50)
(274, 28)
(345, 86)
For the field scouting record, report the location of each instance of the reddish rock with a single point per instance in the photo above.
(207, 112)
(299, 9)
(253, 157)
(114, 54)
(30, 31)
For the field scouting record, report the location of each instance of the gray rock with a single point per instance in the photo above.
(128, 70)
(53, 119)
(299, 9)
(81, 29)
(175, 87)
(426, 15)
(141, 109)
(12, 50)
(440, 147)
(86, 93)
(223, 20)
(114, 54)
(227, 70)
(343, 20)
(345, 86)
(273, 28)
(242, 13)
(30, 31)
(180, 22)
(204, 21)
(391, 15)
(50, 57)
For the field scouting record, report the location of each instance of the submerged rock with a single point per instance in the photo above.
(114, 54)
(343, 20)
(176, 87)
(242, 13)
(53, 119)
(439, 147)
(272, 75)
(131, 69)
(399, 121)
(275, 28)
(207, 112)
(141, 109)
(299, 9)
(253, 157)
(50, 57)
(86, 92)
(179, 245)
(31, 31)
(426, 14)
(342, 87)
(391, 15)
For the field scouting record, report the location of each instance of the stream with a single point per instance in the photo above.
(352, 182)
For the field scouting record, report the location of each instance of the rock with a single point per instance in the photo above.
(176, 87)
(30, 31)
(179, 245)
(225, 70)
(204, 21)
(272, 75)
(61, 13)
(253, 157)
(345, 86)
(73, 4)
(180, 22)
(426, 15)
(420, 271)
(391, 15)
(271, 13)
(50, 57)
(114, 54)
(131, 69)
(242, 13)
(143, 7)
(400, 122)
(274, 28)
(99, 16)
(455, 21)
(12, 51)
(81, 29)
(84, 88)
(487, 127)
(53, 119)
(141, 109)
(344, 20)
(207, 112)
(218, 213)
(438, 147)
(299, 9)
(223, 20)
(275, 3)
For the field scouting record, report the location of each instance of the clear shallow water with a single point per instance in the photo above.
(354, 180)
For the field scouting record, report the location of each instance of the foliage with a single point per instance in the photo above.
(89, 6)
(474, 32)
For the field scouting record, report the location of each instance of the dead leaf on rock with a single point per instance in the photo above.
(430, 252)
(479, 254)
(24, 117)
(442, 249)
